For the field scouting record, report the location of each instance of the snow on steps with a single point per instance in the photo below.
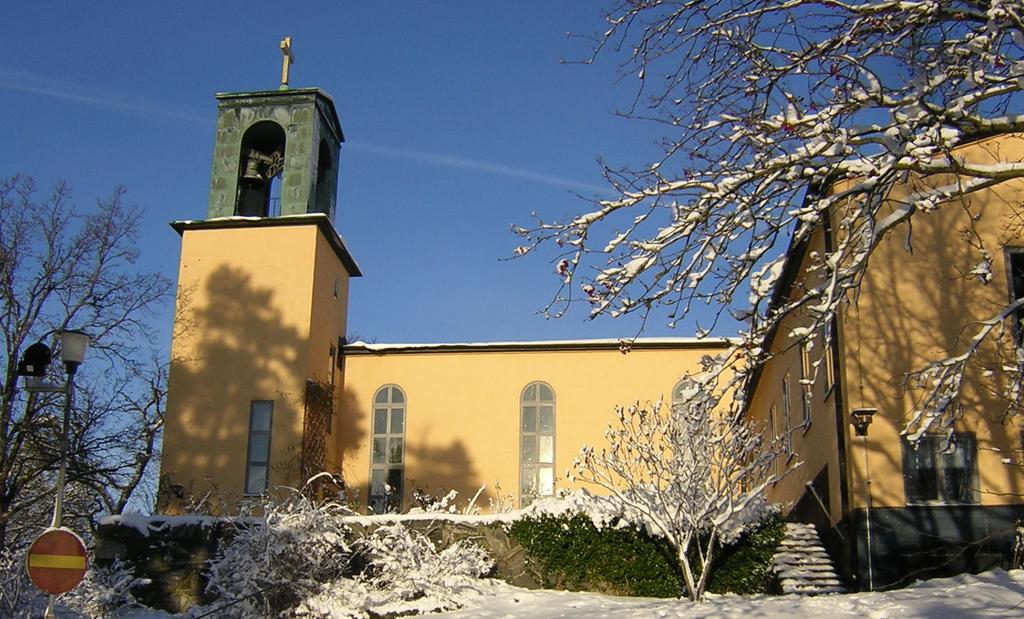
(802, 565)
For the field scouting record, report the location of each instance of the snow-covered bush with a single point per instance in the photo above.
(105, 591)
(18, 596)
(406, 564)
(271, 566)
(405, 573)
(425, 502)
(690, 473)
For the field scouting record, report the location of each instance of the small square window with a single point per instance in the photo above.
(934, 472)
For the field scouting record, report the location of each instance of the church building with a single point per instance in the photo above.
(265, 391)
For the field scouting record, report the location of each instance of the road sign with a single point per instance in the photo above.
(57, 561)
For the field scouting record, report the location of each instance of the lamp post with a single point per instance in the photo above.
(861, 419)
(73, 345)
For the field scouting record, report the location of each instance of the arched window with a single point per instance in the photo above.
(679, 393)
(536, 443)
(387, 451)
(260, 161)
(324, 180)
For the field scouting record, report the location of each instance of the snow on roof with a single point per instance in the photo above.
(605, 343)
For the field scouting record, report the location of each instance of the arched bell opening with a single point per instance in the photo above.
(260, 162)
(324, 180)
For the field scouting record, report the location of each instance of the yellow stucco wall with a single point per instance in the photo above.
(912, 308)
(255, 317)
(915, 307)
(463, 409)
(812, 447)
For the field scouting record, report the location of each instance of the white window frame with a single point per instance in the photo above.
(806, 383)
(773, 436)
(787, 422)
(253, 460)
(387, 502)
(526, 468)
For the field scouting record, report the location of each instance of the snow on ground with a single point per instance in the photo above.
(992, 594)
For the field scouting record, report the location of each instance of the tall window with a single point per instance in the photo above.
(387, 457)
(806, 382)
(827, 342)
(936, 473)
(772, 436)
(257, 460)
(1015, 258)
(787, 422)
(536, 443)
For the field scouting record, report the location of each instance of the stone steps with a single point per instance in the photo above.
(802, 565)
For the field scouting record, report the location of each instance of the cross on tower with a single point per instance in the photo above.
(287, 61)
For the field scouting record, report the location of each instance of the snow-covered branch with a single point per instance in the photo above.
(782, 118)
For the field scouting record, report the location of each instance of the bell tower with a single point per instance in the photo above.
(261, 307)
(275, 154)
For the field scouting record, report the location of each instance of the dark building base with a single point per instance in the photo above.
(918, 542)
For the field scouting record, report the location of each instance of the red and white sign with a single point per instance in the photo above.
(57, 561)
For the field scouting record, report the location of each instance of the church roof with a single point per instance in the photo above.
(645, 343)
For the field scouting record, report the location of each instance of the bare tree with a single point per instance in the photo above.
(61, 268)
(690, 473)
(777, 116)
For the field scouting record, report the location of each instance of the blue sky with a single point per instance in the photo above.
(460, 120)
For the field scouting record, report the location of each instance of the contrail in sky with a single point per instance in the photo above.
(77, 93)
(473, 164)
(104, 99)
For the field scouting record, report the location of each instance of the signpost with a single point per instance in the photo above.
(57, 561)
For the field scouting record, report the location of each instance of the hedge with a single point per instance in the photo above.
(569, 552)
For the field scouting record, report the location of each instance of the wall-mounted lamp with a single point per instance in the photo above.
(861, 419)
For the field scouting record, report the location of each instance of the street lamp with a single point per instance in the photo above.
(36, 358)
(860, 418)
(73, 345)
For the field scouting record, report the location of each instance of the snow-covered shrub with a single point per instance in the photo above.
(689, 472)
(18, 596)
(271, 566)
(104, 592)
(405, 574)
(406, 564)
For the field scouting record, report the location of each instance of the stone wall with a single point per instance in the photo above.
(169, 552)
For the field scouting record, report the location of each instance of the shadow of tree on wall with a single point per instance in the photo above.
(443, 468)
(244, 352)
(429, 468)
(918, 307)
